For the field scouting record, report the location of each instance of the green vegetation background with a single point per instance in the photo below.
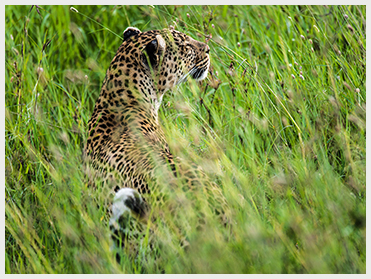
(280, 122)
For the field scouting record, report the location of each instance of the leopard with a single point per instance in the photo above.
(126, 147)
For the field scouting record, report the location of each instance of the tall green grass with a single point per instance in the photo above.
(280, 125)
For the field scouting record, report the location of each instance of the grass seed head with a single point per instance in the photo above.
(347, 85)
(74, 10)
(350, 28)
(267, 48)
(15, 51)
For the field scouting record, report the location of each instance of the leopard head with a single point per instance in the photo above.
(169, 57)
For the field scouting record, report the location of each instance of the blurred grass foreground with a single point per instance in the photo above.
(279, 124)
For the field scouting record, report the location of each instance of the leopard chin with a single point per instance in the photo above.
(196, 73)
(200, 74)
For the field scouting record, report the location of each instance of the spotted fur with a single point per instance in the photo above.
(126, 146)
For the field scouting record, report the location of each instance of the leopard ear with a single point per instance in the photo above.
(130, 31)
(153, 53)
